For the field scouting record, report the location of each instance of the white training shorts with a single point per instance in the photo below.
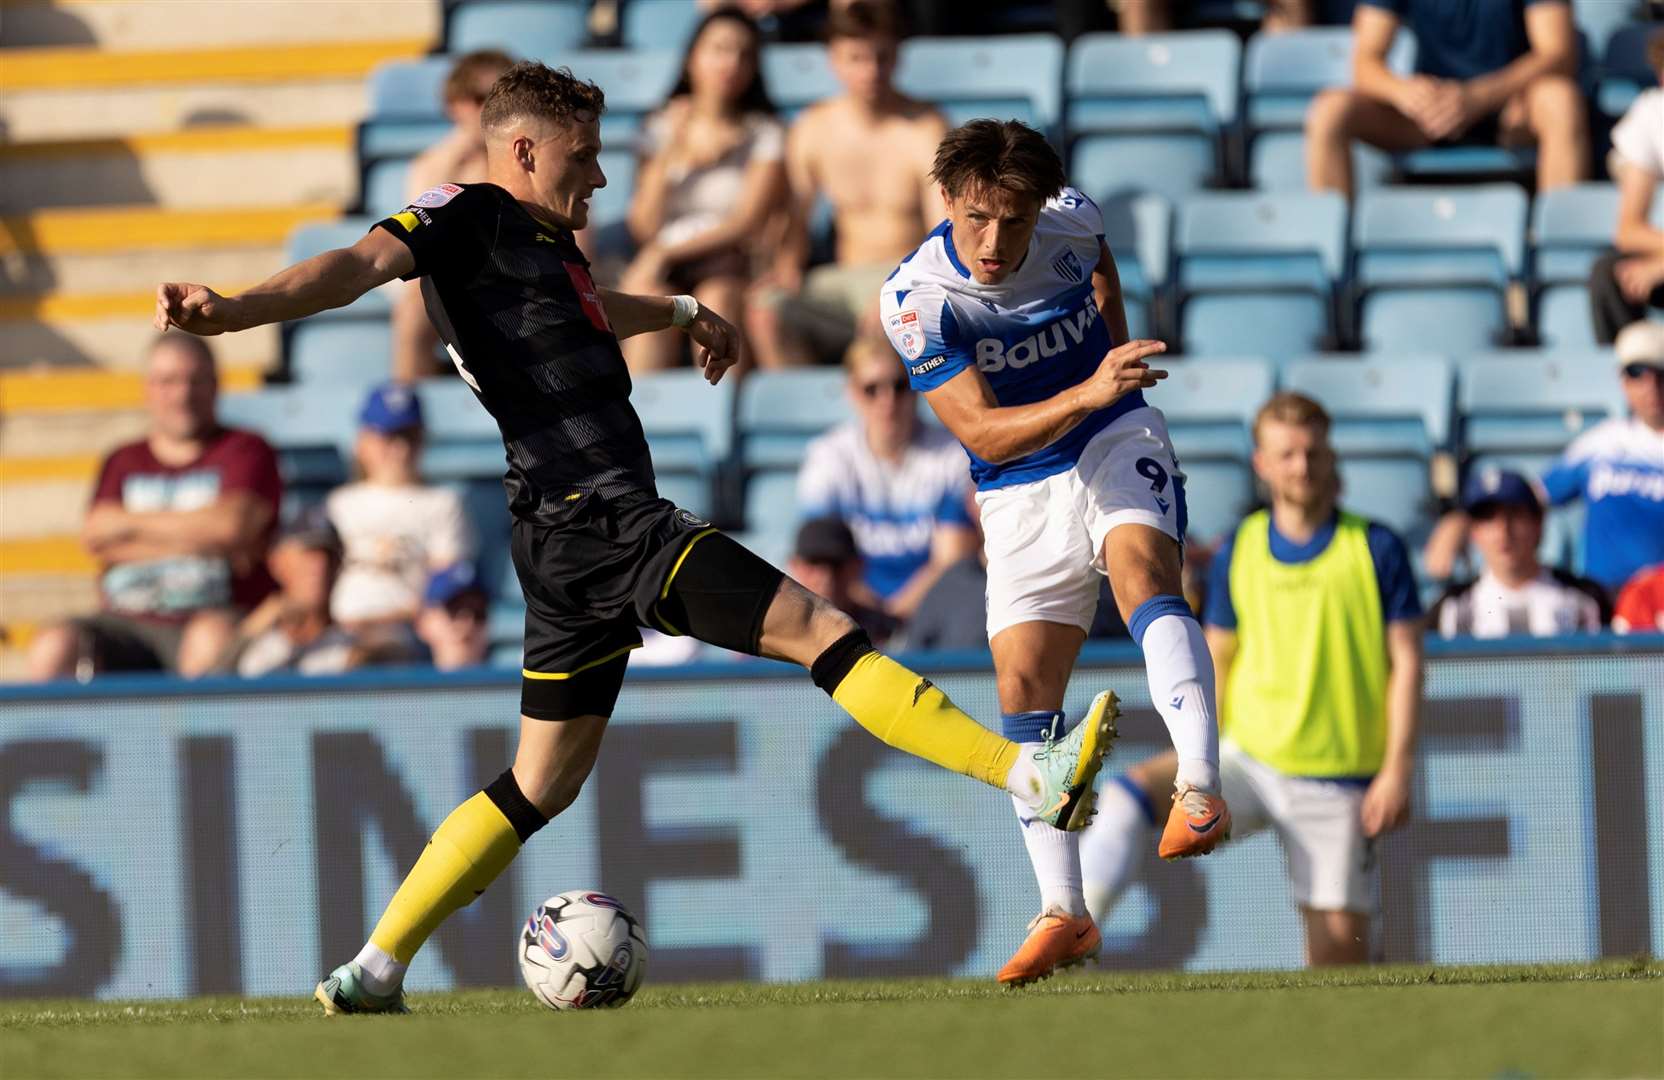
(1331, 863)
(1045, 539)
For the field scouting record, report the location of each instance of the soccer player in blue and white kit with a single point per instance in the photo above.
(1010, 321)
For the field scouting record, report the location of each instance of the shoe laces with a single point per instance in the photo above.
(1194, 800)
(1052, 745)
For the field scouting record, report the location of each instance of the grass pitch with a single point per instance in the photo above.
(1517, 1023)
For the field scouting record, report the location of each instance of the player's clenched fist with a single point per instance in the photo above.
(196, 308)
(716, 344)
(1122, 372)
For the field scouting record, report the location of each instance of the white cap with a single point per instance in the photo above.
(1641, 343)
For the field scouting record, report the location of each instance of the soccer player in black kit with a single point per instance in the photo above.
(598, 553)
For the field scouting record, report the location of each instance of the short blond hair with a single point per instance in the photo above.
(1291, 408)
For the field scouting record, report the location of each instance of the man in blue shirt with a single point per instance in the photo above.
(1487, 71)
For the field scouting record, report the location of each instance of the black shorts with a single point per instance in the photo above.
(612, 566)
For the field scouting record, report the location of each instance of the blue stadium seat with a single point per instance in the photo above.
(1277, 162)
(1600, 19)
(1139, 231)
(384, 186)
(1570, 228)
(485, 503)
(311, 432)
(797, 76)
(521, 27)
(689, 425)
(406, 113)
(310, 240)
(781, 411)
(328, 352)
(1210, 405)
(1015, 76)
(659, 24)
(1624, 70)
(1528, 404)
(1145, 113)
(770, 507)
(464, 443)
(1256, 272)
(1389, 420)
(1436, 260)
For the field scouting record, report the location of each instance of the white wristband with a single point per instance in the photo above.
(683, 310)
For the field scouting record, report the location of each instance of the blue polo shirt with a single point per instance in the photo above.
(1463, 39)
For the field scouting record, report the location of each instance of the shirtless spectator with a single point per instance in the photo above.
(869, 152)
(1625, 282)
(1487, 72)
(179, 522)
(458, 158)
(395, 530)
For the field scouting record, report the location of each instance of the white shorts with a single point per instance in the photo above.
(1331, 863)
(1045, 539)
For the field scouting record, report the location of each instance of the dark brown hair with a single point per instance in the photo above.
(1655, 51)
(533, 89)
(1291, 408)
(864, 20)
(464, 79)
(754, 98)
(987, 154)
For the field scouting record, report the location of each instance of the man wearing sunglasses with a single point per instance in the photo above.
(1616, 468)
(900, 486)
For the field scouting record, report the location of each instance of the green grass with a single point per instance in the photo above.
(1586, 1020)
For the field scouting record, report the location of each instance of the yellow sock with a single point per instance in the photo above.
(467, 852)
(910, 714)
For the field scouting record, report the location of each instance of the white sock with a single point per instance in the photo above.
(1023, 781)
(1055, 855)
(1180, 671)
(382, 973)
(1111, 847)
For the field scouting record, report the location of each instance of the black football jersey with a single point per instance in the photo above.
(514, 304)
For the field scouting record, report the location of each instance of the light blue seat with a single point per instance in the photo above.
(1145, 113)
(1139, 231)
(1531, 402)
(689, 425)
(406, 112)
(1601, 19)
(770, 506)
(781, 411)
(797, 76)
(1277, 162)
(312, 433)
(1624, 70)
(1436, 260)
(1210, 405)
(485, 504)
(522, 27)
(1388, 421)
(1570, 227)
(1011, 77)
(310, 240)
(1256, 272)
(385, 190)
(464, 443)
(659, 24)
(332, 351)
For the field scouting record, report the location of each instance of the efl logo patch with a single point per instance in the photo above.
(435, 197)
(588, 298)
(907, 334)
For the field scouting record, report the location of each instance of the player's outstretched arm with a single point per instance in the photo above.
(996, 433)
(330, 280)
(716, 344)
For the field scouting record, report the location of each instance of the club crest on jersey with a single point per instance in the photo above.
(1068, 267)
(907, 334)
(435, 197)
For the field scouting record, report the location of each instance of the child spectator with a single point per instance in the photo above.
(455, 619)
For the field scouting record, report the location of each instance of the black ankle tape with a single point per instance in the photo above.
(505, 795)
(831, 666)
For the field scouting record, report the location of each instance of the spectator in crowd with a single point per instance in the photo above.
(1487, 71)
(1616, 468)
(179, 524)
(710, 180)
(1514, 593)
(1624, 283)
(454, 623)
(1316, 633)
(826, 561)
(395, 530)
(291, 630)
(1640, 607)
(868, 152)
(458, 158)
(899, 484)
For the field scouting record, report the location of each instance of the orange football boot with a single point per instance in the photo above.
(1199, 822)
(1056, 940)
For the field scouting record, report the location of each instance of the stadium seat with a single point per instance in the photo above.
(310, 240)
(485, 502)
(1256, 272)
(406, 113)
(1139, 231)
(521, 27)
(328, 352)
(1210, 406)
(1436, 257)
(1570, 228)
(659, 24)
(1389, 419)
(1014, 76)
(1145, 113)
(1528, 404)
(384, 186)
(689, 425)
(1277, 162)
(797, 76)
(1624, 71)
(312, 434)
(463, 441)
(1600, 19)
(781, 411)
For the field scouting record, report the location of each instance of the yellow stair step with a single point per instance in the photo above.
(105, 230)
(89, 389)
(212, 139)
(45, 555)
(81, 68)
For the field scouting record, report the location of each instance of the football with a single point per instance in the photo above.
(582, 950)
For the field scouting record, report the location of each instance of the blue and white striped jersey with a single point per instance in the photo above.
(1033, 335)
(1617, 467)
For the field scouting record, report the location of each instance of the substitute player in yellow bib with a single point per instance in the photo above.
(1315, 628)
